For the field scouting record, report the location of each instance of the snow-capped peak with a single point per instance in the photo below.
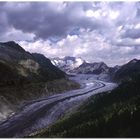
(67, 63)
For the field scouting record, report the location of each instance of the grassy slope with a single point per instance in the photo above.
(115, 114)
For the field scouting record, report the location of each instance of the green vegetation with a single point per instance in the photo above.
(114, 114)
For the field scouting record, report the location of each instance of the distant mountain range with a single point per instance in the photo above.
(92, 68)
(80, 66)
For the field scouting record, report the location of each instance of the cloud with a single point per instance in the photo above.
(96, 31)
(48, 19)
(53, 19)
(89, 45)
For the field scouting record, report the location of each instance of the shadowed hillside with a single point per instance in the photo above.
(25, 76)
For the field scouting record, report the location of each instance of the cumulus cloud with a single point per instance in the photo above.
(89, 45)
(48, 19)
(96, 31)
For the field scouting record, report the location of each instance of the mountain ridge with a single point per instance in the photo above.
(25, 76)
(25, 64)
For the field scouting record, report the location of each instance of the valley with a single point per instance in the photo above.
(111, 114)
(41, 113)
(36, 93)
(69, 69)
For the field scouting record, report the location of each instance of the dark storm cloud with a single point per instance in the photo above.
(49, 19)
(44, 20)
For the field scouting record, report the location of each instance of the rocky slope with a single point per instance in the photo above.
(48, 69)
(25, 76)
(17, 66)
(116, 73)
(103, 71)
(92, 68)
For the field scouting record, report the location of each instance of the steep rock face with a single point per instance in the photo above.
(48, 68)
(92, 68)
(99, 68)
(127, 71)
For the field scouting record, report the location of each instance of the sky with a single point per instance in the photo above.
(94, 31)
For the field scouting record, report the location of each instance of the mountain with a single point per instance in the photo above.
(92, 68)
(67, 63)
(79, 66)
(25, 77)
(48, 68)
(127, 71)
(116, 73)
(17, 65)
